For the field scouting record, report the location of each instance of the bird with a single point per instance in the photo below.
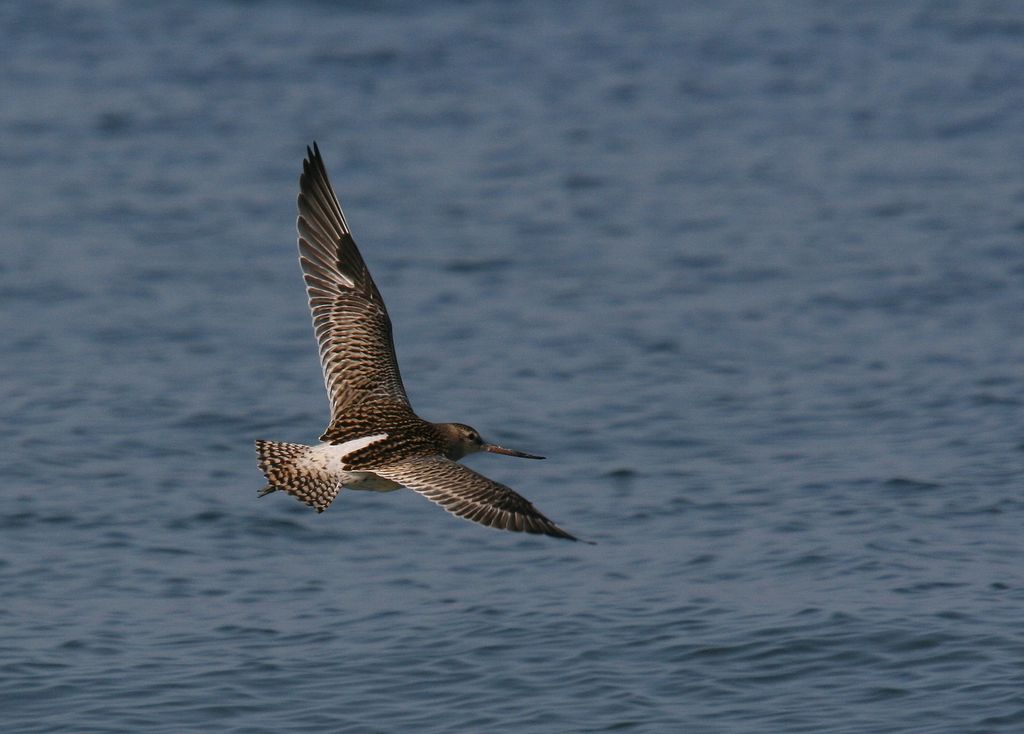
(374, 441)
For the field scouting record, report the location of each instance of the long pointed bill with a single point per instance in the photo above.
(509, 452)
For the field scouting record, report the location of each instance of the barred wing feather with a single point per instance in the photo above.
(351, 323)
(470, 495)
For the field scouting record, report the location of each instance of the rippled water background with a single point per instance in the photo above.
(751, 275)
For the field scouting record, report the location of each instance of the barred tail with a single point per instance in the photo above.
(284, 467)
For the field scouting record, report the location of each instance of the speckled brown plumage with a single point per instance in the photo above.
(349, 317)
(374, 439)
(280, 463)
(472, 496)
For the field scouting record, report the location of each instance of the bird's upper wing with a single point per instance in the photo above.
(469, 495)
(351, 323)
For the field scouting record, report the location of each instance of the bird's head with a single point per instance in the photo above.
(462, 439)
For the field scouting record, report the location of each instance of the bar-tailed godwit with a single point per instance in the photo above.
(374, 440)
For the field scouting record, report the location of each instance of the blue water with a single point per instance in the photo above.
(750, 275)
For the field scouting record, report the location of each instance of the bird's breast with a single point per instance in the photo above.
(369, 481)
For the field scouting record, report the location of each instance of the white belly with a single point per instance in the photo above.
(368, 481)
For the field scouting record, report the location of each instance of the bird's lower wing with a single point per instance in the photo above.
(469, 495)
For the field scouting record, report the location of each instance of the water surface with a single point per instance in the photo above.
(751, 278)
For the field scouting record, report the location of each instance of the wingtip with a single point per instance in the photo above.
(556, 531)
(313, 153)
(569, 536)
(313, 159)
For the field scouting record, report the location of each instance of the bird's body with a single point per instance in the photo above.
(374, 440)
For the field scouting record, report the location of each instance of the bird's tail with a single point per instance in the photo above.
(285, 467)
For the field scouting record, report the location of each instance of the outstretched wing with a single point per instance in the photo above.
(351, 323)
(469, 495)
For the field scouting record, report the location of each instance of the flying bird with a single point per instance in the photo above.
(374, 440)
